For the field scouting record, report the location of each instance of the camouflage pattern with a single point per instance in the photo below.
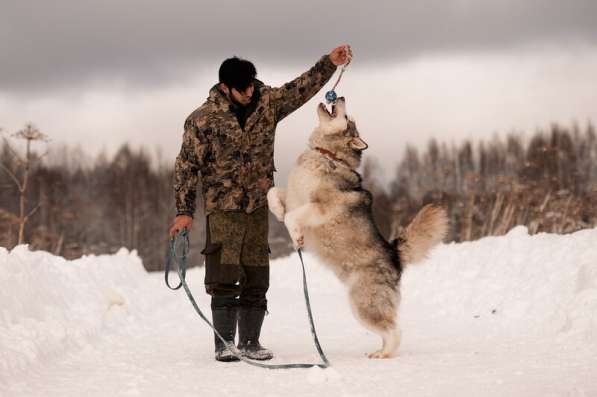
(237, 165)
(241, 237)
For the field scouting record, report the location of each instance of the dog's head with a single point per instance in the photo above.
(338, 134)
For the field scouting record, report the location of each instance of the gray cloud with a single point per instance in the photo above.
(63, 43)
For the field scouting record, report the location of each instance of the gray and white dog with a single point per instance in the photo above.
(328, 212)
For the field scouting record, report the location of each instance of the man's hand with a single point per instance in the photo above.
(341, 55)
(181, 222)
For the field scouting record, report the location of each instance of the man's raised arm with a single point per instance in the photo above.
(295, 93)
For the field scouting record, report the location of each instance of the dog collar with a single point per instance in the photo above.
(331, 156)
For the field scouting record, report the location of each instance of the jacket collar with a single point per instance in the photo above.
(218, 98)
(221, 103)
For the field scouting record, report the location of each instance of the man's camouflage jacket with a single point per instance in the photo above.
(237, 165)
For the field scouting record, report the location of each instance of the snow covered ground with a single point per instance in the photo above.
(503, 316)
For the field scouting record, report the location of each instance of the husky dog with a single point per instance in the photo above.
(328, 212)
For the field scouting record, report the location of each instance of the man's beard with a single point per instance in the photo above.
(236, 103)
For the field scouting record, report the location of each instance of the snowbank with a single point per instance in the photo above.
(486, 294)
(511, 286)
(49, 305)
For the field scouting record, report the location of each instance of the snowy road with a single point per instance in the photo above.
(508, 316)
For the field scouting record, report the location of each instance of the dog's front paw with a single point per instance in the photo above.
(294, 229)
(298, 239)
(276, 202)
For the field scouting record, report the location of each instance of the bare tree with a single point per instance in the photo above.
(21, 173)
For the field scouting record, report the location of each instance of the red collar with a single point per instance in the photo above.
(331, 155)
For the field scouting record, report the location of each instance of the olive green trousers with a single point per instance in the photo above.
(237, 257)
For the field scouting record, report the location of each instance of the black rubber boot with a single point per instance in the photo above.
(249, 329)
(224, 320)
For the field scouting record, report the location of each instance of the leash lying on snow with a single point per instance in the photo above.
(181, 268)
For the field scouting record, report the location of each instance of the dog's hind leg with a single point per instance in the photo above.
(376, 310)
(390, 344)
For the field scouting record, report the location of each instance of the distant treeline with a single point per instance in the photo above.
(547, 182)
(92, 210)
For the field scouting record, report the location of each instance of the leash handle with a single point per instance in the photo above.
(172, 255)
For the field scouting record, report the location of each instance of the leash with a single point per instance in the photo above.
(331, 95)
(181, 268)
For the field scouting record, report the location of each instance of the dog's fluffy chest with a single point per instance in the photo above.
(315, 173)
(301, 184)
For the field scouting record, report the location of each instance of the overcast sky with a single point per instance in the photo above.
(100, 73)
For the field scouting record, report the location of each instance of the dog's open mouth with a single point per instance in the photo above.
(332, 114)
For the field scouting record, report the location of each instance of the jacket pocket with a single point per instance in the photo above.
(211, 248)
(213, 255)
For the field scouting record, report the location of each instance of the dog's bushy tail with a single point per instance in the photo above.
(427, 229)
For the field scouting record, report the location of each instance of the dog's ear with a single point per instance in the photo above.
(358, 144)
(323, 114)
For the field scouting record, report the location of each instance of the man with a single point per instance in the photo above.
(230, 141)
